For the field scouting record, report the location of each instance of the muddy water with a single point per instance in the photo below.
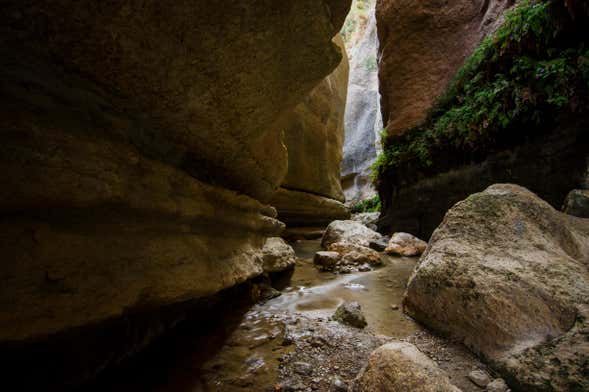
(318, 294)
(244, 352)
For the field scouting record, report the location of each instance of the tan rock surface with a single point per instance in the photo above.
(314, 136)
(401, 367)
(422, 45)
(508, 275)
(306, 209)
(124, 126)
(405, 244)
(213, 80)
(278, 255)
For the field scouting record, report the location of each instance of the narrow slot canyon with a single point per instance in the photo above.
(310, 195)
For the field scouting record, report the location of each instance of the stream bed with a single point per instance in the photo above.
(289, 343)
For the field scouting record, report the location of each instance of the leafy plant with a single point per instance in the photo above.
(516, 83)
(368, 205)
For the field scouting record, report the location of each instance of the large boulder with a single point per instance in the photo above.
(400, 366)
(508, 275)
(348, 231)
(277, 255)
(140, 144)
(417, 36)
(363, 119)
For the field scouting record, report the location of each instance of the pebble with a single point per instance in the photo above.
(497, 385)
(479, 377)
(394, 306)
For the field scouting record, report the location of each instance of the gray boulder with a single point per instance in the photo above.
(348, 231)
(350, 313)
(508, 276)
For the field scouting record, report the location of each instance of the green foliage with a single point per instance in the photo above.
(520, 78)
(368, 205)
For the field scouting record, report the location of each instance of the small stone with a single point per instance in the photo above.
(338, 385)
(326, 260)
(378, 245)
(497, 385)
(394, 306)
(303, 368)
(479, 377)
(350, 313)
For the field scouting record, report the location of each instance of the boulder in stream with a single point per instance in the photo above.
(348, 231)
(405, 244)
(508, 275)
(352, 254)
(278, 256)
(350, 313)
(326, 261)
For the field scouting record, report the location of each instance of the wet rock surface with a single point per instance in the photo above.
(405, 244)
(350, 313)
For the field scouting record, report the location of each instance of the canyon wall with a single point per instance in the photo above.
(363, 121)
(435, 158)
(422, 45)
(311, 193)
(141, 143)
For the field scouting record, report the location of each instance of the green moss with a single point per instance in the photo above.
(368, 205)
(516, 83)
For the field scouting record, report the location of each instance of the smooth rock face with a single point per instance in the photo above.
(577, 203)
(400, 366)
(277, 255)
(303, 209)
(508, 275)
(139, 145)
(348, 231)
(314, 136)
(405, 244)
(350, 313)
(363, 118)
(417, 37)
(215, 114)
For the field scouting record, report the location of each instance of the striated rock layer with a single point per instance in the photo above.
(311, 192)
(422, 45)
(508, 275)
(140, 143)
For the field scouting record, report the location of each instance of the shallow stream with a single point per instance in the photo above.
(244, 352)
